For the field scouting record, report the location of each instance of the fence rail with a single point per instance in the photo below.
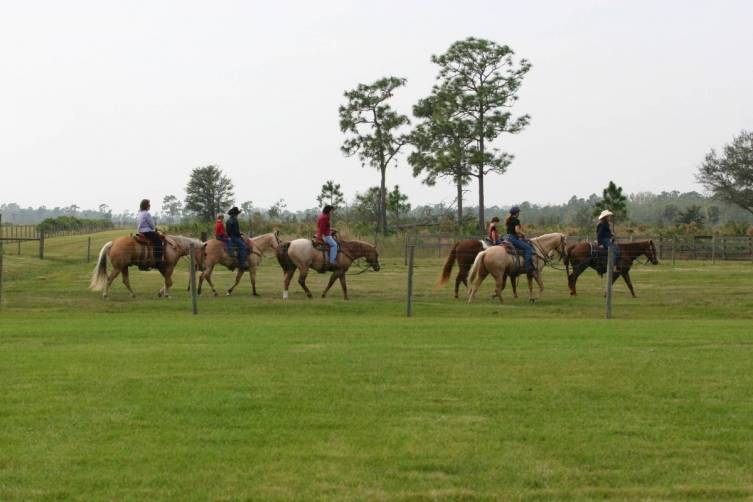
(704, 248)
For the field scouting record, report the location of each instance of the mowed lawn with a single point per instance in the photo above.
(256, 398)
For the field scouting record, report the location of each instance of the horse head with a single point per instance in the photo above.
(651, 252)
(372, 257)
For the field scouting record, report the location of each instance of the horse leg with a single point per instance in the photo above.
(514, 284)
(539, 281)
(238, 276)
(461, 277)
(499, 286)
(288, 278)
(207, 275)
(476, 285)
(332, 280)
(168, 282)
(344, 286)
(531, 299)
(302, 281)
(111, 277)
(252, 275)
(626, 276)
(578, 269)
(127, 282)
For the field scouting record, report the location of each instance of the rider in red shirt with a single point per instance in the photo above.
(493, 232)
(324, 233)
(219, 228)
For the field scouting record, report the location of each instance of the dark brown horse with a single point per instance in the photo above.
(582, 256)
(464, 252)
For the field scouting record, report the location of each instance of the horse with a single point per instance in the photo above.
(464, 252)
(126, 251)
(302, 255)
(580, 256)
(215, 252)
(497, 261)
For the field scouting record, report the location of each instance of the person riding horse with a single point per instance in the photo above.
(516, 237)
(219, 228)
(236, 238)
(147, 228)
(324, 234)
(605, 237)
(492, 232)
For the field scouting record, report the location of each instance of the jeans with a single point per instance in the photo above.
(156, 246)
(332, 243)
(238, 242)
(526, 248)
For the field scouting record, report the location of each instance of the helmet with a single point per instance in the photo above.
(514, 210)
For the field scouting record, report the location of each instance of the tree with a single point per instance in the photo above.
(208, 192)
(367, 206)
(670, 213)
(713, 214)
(690, 215)
(613, 200)
(331, 194)
(371, 128)
(485, 80)
(277, 209)
(442, 143)
(397, 204)
(172, 207)
(247, 207)
(729, 175)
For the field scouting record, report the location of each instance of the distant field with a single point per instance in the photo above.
(260, 398)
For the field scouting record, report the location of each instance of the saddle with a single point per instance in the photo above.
(512, 251)
(600, 256)
(323, 247)
(234, 255)
(144, 240)
(146, 259)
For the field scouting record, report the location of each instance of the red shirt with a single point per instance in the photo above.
(219, 230)
(322, 226)
(493, 233)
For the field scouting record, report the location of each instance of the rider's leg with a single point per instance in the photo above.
(332, 243)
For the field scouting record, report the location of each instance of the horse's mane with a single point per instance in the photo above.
(360, 245)
(185, 241)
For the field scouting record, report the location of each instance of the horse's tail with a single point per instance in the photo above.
(284, 258)
(566, 258)
(478, 263)
(99, 275)
(448, 266)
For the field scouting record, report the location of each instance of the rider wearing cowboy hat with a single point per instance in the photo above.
(605, 237)
(515, 236)
(236, 238)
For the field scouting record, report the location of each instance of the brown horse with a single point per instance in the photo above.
(216, 252)
(302, 255)
(464, 252)
(581, 257)
(126, 251)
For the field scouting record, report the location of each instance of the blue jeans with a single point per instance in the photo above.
(332, 243)
(238, 243)
(525, 247)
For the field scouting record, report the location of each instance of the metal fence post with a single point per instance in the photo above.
(610, 275)
(192, 269)
(41, 244)
(411, 250)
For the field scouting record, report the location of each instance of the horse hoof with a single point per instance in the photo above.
(227, 294)
(532, 301)
(309, 295)
(255, 294)
(215, 293)
(284, 295)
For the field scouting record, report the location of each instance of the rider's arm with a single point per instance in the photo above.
(519, 231)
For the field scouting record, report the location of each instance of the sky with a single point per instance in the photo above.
(112, 101)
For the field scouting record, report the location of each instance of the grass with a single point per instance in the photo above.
(264, 399)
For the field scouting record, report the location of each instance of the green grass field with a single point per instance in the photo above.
(256, 398)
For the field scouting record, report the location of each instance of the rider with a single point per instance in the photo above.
(605, 237)
(219, 228)
(515, 236)
(148, 229)
(324, 233)
(493, 233)
(236, 238)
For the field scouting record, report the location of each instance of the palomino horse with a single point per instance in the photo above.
(215, 252)
(581, 257)
(302, 254)
(464, 252)
(125, 251)
(498, 262)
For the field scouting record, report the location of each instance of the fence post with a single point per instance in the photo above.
(41, 244)
(19, 249)
(88, 249)
(713, 249)
(610, 275)
(1, 272)
(192, 273)
(411, 249)
(405, 251)
(674, 240)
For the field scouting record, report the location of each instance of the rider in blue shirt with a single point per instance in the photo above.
(516, 237)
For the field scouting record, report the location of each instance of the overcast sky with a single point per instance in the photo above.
(110, 102)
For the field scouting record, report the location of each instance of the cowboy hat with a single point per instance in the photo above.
(605, 213)
(234, 210)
